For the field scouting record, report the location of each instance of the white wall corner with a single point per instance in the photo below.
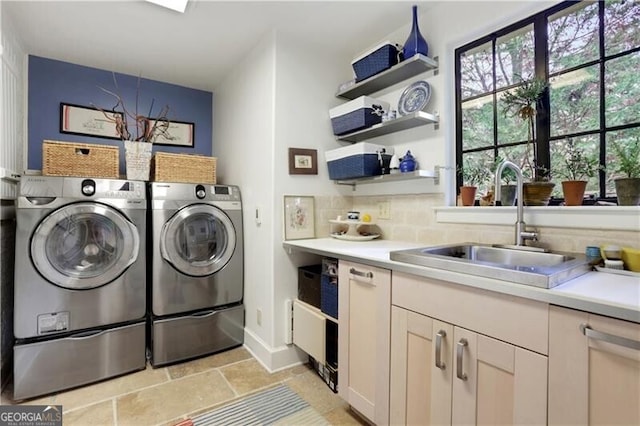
(273, 359)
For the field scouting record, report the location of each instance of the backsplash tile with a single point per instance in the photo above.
(413, 219)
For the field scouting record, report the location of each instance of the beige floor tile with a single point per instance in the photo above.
(207, 363)
(100, 414)
(107, 389)
(313, 390)
(249, 375)
(161, 403)
(344, 416)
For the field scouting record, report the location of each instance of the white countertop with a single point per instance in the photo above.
(613, 295)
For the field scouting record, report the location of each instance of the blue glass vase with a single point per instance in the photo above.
(415, 43)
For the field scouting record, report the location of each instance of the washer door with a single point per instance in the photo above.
(198, 240)
(84, 245)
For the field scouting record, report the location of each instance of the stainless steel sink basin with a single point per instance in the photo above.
(517, 265)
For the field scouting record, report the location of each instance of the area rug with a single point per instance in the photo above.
(275, 406)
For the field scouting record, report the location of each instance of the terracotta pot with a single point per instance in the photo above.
(628, 191)
(537, 193)
(573, 191)
(468, 195)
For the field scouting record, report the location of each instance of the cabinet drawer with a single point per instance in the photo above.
(519, 321)
(309, 330)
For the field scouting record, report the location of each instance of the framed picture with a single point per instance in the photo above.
(303, 161)
(299, 220)
(88, 121)
(179, 133)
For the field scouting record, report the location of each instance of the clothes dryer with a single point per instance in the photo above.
(197, 276)
(80, 282)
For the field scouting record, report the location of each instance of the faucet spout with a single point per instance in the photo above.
(521, 233)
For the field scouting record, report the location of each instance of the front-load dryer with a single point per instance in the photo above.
(197, 276)
(80, 282)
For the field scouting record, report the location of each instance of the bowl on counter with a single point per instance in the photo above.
(611, 251)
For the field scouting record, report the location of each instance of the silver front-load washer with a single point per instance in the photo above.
(197, 276)
(80, 282)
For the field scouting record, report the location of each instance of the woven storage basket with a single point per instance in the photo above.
(80, 159)
(167, 167)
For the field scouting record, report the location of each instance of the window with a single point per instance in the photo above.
(589, 54)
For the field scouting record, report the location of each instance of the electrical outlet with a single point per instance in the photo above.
(384, 210)
(259, 316)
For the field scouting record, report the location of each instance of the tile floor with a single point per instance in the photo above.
(165, 396)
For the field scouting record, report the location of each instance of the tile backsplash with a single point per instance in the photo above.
(413, 219)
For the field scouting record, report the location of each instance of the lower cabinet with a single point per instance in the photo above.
(364, 309)
(444, 373)
(594, 369)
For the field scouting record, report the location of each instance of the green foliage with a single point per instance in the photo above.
(475, 171)
(522, 100)
(577, 163)
(629, 158)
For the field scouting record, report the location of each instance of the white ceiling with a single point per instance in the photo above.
(200, 47)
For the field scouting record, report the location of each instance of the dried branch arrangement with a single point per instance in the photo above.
(146, 129)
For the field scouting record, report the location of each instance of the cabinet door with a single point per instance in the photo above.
(309, 330)
(421, 369)
(364, 309)
(594, 372)
(497, 383)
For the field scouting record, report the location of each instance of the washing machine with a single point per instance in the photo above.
(80, 282)
(197, 270)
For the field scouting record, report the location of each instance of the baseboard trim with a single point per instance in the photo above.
(273, 359)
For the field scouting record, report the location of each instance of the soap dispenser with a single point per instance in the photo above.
(394, 164)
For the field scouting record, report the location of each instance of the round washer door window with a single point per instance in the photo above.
(84, 246)
(199, 240)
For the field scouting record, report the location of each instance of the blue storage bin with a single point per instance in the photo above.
(358, 160)
(375, 61)
(357, 114)
(329, 295)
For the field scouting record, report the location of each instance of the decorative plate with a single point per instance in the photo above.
(414, 98)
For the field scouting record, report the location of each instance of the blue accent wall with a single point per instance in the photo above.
(52, 82)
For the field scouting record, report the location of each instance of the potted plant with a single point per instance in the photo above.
(522, 101)
(474, 173)
(578, 167)
(628, 187)
(507, 189)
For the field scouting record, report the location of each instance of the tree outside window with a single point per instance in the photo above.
(589, 53)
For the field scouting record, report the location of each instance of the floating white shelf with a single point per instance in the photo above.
(413, 66)
(409, 121)
(416, 174)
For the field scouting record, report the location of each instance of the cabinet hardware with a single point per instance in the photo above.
(354, 271)
(609, 338)
(439, 336)
(459, 353)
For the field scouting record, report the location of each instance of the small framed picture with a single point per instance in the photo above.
(303, 161)
(299, 220)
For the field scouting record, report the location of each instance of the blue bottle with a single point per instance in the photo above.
(415, 43)
(408, 163)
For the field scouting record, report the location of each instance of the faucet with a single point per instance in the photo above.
(521, 228)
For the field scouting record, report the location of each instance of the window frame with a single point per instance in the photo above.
(543, 138)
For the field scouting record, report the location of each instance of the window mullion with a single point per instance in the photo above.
(543, 117)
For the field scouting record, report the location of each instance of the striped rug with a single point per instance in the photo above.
(275, 406)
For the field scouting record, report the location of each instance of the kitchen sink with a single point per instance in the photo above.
(522, 265)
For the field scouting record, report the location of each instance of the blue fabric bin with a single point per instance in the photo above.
(357, 114)
(380, 58)
(358, 160)
(329, 295)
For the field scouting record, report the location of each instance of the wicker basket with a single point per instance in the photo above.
(186, 168)
(80, 159)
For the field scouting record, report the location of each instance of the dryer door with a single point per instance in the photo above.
(198, 240)
(84, 245)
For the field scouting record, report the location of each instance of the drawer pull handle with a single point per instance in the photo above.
(459, 353)
(354, 271)
(439, 336)
(609, 338)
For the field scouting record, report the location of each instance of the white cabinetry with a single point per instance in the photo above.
(309, 330)
(364, 309)
(465, 356)
(594, 369)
